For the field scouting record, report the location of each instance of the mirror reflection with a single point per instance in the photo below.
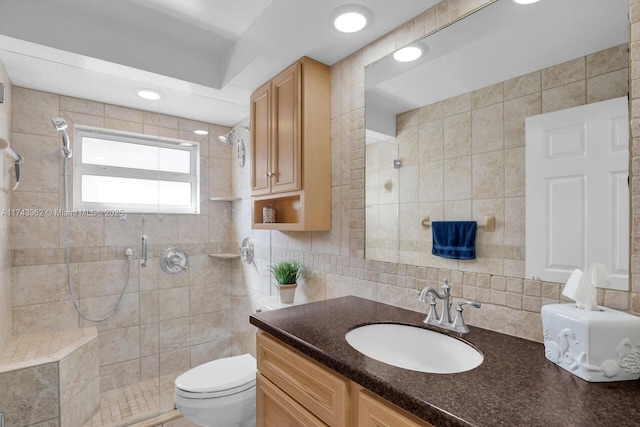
(445, 133)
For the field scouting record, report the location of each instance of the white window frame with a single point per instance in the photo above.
(81, 169)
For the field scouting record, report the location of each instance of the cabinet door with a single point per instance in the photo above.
(274, 408)
(260, 140)
(320, 390)
(375, 413)
(286, 142)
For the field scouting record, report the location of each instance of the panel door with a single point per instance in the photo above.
(286, 155)
(274, 408)
(261, 140)
(577, 193)
(373, 413)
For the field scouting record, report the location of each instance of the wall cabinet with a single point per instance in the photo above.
(290, 148)
(294, 390)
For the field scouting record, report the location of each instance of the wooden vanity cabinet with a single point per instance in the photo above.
(294, 390)
(373, 411)
(290, 148)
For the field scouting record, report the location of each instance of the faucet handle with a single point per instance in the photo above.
(459, 324)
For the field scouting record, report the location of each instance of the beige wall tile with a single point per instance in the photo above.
(457, 135)
(173, 303)
(612, 59)
(119, 345)
(488, 172)
(39, 397)
(119, 374)
(487, 129)
(82, 406)
(431, 141)
(32, 111)
(562, 97)
(565, 73)
(457, 178)
(487, 96)
(606, 86)
(79, 370)
(82, 106)
(524, 85)
(515, 112)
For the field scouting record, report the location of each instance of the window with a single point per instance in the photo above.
(135, 173)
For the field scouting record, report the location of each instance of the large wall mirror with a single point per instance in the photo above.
(445, 134)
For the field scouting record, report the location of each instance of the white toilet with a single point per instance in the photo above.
(221, 393)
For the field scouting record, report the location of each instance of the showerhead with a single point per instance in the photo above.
(61, 126)
(226, 138)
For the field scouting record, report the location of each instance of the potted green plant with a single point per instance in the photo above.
(287, 274)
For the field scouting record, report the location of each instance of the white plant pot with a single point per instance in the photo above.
(286, 293)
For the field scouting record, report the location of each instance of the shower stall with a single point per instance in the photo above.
(116, 331)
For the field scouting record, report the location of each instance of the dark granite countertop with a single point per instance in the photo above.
(514, 386)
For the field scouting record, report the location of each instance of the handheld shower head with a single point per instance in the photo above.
(59, 123)
(61, 126)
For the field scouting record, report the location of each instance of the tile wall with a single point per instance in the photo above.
(5, 203)
(464, 157)
(166, 323)
(335, 259)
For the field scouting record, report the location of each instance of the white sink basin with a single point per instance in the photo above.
(414, 348)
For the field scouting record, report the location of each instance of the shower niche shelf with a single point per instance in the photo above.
(224, 199)
(225, 255)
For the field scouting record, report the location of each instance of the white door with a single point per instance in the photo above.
(577, 191)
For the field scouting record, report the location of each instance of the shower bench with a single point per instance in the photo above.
(50, 376)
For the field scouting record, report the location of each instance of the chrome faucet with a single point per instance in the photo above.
(429, 294)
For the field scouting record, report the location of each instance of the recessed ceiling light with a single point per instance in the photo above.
(351, 18)
(201, 132)
(408, 53)
(150, 94)
(526, 1)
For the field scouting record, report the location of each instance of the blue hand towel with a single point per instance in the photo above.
(454, 239)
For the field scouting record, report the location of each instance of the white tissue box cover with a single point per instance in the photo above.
(597, 346)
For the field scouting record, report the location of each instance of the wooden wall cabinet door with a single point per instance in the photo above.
(275, 139)
(285, 158)
(261, 140)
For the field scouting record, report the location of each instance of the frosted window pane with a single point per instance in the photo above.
(178, 161)
(103, 152)
(175, 193)
(106, 189)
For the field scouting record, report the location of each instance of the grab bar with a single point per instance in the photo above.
(143, 251)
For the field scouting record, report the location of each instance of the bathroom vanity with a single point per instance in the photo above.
(310, 375)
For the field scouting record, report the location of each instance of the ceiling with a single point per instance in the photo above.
(205, 56)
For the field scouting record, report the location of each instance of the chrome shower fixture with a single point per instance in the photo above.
(226, 139)
(61, 126)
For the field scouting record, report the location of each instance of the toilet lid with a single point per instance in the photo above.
(219, 375)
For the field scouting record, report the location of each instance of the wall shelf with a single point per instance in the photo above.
(224, 199)
(225, 255)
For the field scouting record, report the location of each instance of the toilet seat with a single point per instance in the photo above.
(222, 377)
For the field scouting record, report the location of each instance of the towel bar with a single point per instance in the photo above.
(489, 223)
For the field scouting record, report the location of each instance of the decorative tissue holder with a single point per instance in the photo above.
(597, 346)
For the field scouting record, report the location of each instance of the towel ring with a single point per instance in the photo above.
(489, 223)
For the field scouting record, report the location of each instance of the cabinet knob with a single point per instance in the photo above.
(268, 175)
